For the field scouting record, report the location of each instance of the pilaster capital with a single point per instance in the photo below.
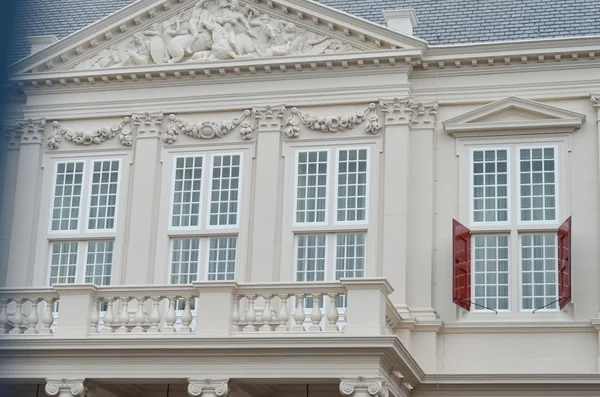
(65, 387)
(360, 386)
(269, 117)
(31, 131)
(12, 135)
(208, 387)
(148, 124)
(595, 99)
(409, 111)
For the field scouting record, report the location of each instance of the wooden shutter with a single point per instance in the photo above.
(461, 264)
(564, 263)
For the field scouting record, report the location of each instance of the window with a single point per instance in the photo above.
(330, 219)
(513, 261)
(204, 217)
(83, 220)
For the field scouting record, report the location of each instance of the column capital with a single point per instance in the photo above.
(407, 110)
(12, 135)
(208, 387)
(148, 124)
(31, 131)
(65, 387)
(269, 118)
(376, 387)
(595, 99)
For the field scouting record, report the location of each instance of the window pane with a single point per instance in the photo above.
(67, 196)
(103, 195)
(490, 185)
(225, 188)
(350, 255)
(311, 187)
(491, 272)
(185, 256)
(537, 169)
(98, 265)
(187, 191)
(63, 262)
(221, 258)
(310, 262)
(352, 185)
(539, 271)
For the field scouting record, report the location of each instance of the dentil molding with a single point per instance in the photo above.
(364, 387)
(64, 387)
(208, 387)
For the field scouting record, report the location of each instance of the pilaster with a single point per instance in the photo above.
(208, 387)
(65, 387)
(364, 387)
(9, 162)
(143, 202)
(266, 211)
(25, 209)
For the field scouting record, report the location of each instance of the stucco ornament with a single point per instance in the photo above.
(64, 386)
(215, 30)
(595, 99)
(407, 110)
(376, 387)
(31, 131)
(97, 136)
(208, 129)
(332, 123)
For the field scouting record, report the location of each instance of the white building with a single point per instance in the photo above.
(188, 179)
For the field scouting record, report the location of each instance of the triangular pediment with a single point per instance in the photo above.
(514, 115)
(152, 32)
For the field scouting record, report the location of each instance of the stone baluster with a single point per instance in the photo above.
(250, 314)
(235, 314)
(171, 316)
(3, 316)
(332, 314)
(17, 319)
(48, 317)
(155, 314)
(186, 316)
(267, 316)
(95, 316)
(140, 316)
(283, 314)
(123, 316)
(109, 317)
(315, 315)
(32, 318)
(299, 315)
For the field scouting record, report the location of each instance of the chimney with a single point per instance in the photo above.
(402, 21)
(38, 43)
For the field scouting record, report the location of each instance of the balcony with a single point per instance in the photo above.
(349, 307)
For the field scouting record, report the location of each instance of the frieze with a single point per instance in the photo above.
(83, 137)
(215, 30)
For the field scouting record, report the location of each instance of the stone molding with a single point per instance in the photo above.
(376, 387)
(217, 387)
(65, 387)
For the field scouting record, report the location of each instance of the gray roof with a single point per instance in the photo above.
(440, 21)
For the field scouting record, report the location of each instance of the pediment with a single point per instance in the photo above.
(514, 116)
(152, 32)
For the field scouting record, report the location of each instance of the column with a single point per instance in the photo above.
(421, 211)
(208, 387)
(9, 164)
(26, 203)
(266, 214)
(364, 387)
(595, 99)
(143, 200)
(65, 387)
(395, 181)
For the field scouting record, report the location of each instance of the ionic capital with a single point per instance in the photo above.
(208, 387)
(364, 387)
(65, 387)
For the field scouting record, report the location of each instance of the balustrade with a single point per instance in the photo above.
(201, 309)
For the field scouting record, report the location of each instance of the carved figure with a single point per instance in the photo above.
(106, 58)
(162, 35)
(196, 39)
(225, 44)
(137, 52)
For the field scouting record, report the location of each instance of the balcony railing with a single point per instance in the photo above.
(358, 307)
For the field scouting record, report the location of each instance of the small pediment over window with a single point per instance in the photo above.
(513, 116)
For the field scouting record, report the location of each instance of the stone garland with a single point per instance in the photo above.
(90, 137)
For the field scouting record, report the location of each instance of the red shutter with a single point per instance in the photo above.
(461, 263)
(564, 263)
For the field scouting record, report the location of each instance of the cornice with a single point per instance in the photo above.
(517, 379)
(517, 327)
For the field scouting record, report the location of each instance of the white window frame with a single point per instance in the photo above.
(327, 188)
(336, 186)
(515, 228)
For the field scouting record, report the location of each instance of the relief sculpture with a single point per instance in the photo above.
(215, 30)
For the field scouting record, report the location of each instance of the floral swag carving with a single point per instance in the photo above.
(208, 129)
(90, 137)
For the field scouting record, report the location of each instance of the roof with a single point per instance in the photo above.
(439, 21)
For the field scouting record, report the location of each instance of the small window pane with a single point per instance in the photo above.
(490, 185)
(98, 265)
(538, 271)
(187, 191)
(221, 258)
(490, 283)
(185, 256)
(225, 188)
(310, 262)
(67, 196)
(311, 188)
(63, 262)
(537, 170)
(103, 195)
(352, 185)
